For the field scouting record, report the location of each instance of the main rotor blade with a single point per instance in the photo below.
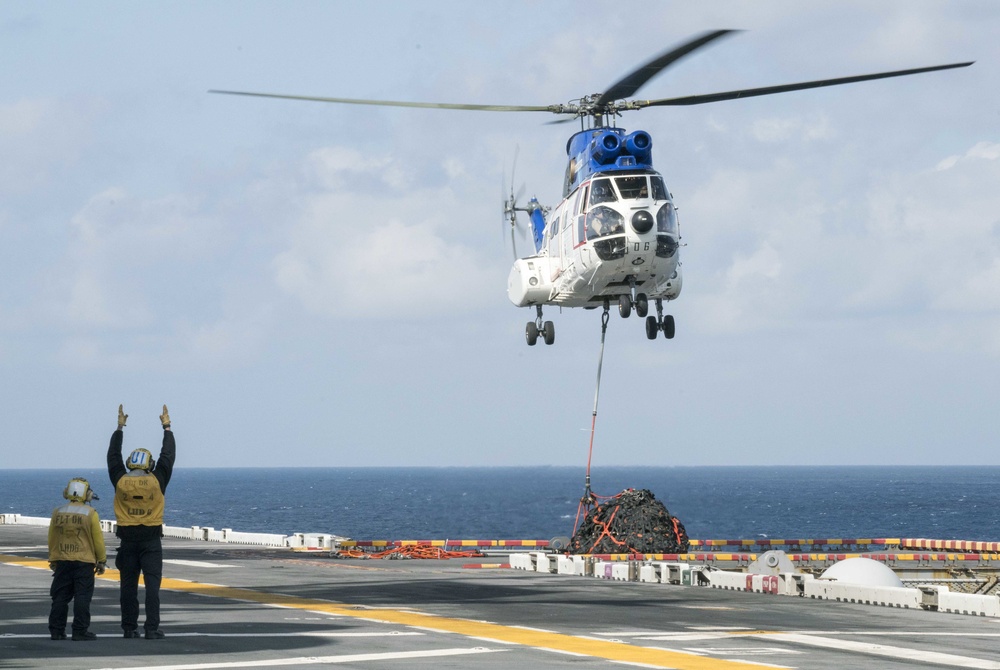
(558, 109)
(632, 82)
(768, 90)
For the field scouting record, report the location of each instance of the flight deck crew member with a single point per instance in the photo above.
(139, 512)
(76, 552)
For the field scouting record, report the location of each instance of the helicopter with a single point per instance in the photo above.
(615, 235)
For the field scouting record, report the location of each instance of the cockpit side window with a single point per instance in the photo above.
(632, 187)
(601, 191)
(659, 188)
(667, 232)
(666, 219)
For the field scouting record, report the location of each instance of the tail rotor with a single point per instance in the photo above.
(510, 208)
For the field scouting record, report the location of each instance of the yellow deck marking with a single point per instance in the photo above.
(560, 642)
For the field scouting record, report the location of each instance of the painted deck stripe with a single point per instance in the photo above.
(198, 564)
(317, 660)
(489, 632)
(952, 660)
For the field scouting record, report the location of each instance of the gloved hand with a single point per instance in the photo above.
(122, 417)
(165, 418)
(100, 567)
(52, 567)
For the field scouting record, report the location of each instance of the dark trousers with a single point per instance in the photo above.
(135, 557)
(73, 580)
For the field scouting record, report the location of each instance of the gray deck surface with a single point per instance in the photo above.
(225, 606)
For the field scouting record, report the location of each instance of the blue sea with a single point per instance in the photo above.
(960, 503)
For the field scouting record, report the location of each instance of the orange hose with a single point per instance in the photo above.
(410, 551)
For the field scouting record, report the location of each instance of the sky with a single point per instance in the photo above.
(313, 285)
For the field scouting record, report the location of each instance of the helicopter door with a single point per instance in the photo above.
(567, 243)
(553, 247)
(581, 218)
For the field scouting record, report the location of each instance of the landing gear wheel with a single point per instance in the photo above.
(668, 326)
(651, 327)
(549, 332)
(531, 333)
(624, 306)
(641, 305)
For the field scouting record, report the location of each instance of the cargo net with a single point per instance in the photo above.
(632, 522)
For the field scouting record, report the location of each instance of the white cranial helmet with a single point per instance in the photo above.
(78, 490)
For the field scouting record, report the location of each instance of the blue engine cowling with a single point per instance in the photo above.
(606, 147)
(640, 145)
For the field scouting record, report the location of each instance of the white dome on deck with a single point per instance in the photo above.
(862, 571)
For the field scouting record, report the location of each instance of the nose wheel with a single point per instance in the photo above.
(624, 306)
(546, 329)
(637, 301)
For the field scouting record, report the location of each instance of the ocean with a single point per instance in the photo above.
(951, 502)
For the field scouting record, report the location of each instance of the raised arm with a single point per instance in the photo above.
(168, 452)
(116, 466)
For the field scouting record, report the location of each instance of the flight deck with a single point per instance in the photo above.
(233, 606)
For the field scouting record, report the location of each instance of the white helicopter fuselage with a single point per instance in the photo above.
(616, 234)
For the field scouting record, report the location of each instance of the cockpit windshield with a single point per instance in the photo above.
(632, 187)
(629, 187)
(602, 191)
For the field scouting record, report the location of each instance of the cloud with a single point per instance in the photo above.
(387, 267)
(771, 248)
(125, 258)
(982, 150)
(145, 281)
(790, 128)
(223, 343)
(374, 242)
(934, 236)
(40, 138)
(340, 168)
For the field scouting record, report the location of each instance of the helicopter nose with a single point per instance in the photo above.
(642, 222)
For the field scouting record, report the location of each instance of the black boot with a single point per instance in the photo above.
(85, 636)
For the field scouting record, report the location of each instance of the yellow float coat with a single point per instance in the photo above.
(75, 534)
(138, 500)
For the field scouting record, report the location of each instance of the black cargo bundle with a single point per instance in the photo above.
(632, 522)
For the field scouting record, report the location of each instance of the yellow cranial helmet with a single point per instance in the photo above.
(140, 459)
(78, 491)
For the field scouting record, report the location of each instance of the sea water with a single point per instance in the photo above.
(954, 502)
